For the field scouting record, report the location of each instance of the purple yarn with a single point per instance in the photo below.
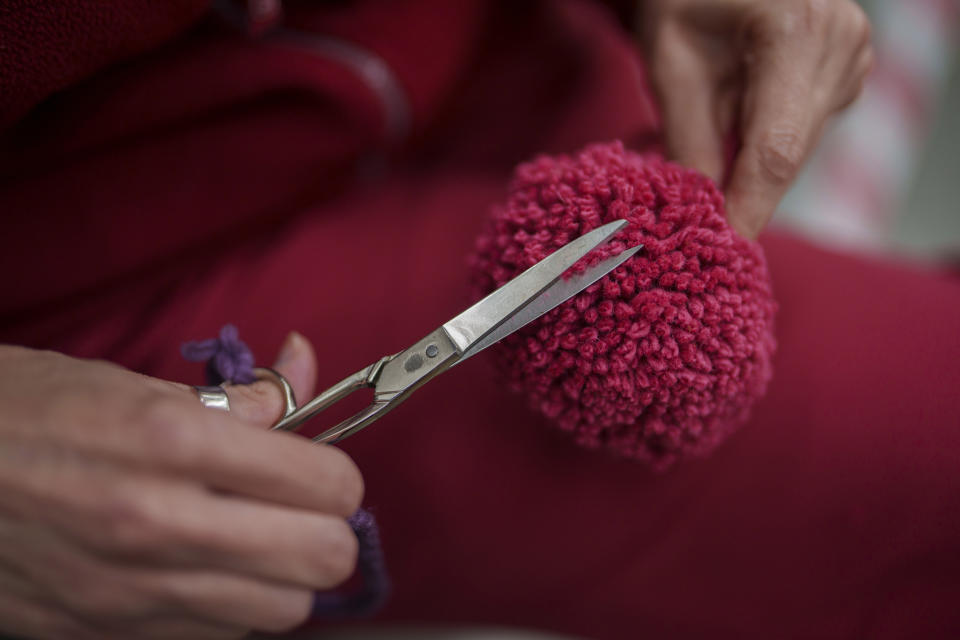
(229, 359)
(376, 585)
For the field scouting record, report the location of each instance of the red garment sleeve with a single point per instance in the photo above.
(48, 45)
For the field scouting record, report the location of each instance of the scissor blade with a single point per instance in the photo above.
(560, 292)
(479, 321)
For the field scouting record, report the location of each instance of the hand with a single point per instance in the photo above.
(128, 510)
(777, 69)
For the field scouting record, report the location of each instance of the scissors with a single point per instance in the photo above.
(520, 301)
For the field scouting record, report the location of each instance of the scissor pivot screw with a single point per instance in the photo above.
(432, 351)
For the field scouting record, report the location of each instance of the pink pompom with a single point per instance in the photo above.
(663, 357)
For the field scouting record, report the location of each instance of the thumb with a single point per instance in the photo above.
(297, 362)
(262, 401)
(688, 105)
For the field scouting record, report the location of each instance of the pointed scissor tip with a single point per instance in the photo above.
(615, 226)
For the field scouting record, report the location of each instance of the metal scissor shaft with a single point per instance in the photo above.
(532, 293)
(334, 394)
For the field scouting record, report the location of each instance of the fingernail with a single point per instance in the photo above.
(291, 345)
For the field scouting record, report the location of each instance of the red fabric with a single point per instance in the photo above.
(203, 182)
(661, 358)
(49, 45)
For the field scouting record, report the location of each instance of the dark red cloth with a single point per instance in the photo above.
(47, 46)
(213, 179)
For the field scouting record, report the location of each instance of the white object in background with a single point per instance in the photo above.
(852, 191)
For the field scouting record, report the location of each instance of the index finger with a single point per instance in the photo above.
(98, 412)
(234, 455)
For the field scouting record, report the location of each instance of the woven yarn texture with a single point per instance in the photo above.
(664, 356)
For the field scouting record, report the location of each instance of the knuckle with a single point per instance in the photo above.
(261, 401)
(157, 411)
(780, 154)
(128, 527)
(170, 437)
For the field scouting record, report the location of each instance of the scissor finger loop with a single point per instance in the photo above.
(286, 391)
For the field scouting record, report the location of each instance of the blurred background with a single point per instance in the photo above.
(886, 177)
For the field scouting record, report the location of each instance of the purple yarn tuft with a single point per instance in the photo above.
(229, 359)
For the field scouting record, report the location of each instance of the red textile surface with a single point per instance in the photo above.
(203, 182)
(46, 46)
(661, 358)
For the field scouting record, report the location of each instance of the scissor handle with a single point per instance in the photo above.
(394, 378)
(353, 424)
(292, 419)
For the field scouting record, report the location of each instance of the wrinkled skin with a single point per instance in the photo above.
(129, 510)
(775, 70)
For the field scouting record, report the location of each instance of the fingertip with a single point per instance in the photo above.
(292, 348)
(297, 362)
(755, 188)
(746, 216)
